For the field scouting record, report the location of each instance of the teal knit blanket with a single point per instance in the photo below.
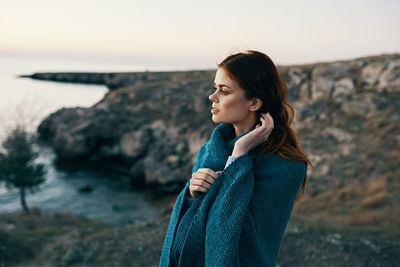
(241, 220)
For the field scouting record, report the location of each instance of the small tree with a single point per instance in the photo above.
(17, 168)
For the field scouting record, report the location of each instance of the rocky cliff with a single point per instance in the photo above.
(151, 126)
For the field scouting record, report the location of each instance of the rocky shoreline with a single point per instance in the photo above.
(154, 123)
(151, 128)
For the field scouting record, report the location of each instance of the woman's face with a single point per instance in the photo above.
(229, 104)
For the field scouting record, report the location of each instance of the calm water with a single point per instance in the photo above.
(29, 101)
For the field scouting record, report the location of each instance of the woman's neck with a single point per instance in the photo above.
(244, 126)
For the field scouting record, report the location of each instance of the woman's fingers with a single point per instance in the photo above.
(208, 171)
(267, 121)
(193, 188)
(271, 120)
(202, 180)
(199, 176)
(264, 122)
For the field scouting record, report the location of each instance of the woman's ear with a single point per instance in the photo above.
(255, 104)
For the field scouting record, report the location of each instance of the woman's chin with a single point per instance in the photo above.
(214, 119)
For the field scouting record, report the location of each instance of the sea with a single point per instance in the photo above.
(27, 102)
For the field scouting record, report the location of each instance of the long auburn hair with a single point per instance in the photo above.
(258, 76)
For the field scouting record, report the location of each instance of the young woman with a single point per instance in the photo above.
(246, 178)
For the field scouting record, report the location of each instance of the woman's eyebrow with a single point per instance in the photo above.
(222, 85)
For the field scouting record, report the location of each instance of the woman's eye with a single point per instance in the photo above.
(223, 92)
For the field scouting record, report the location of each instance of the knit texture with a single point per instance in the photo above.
(242, 218)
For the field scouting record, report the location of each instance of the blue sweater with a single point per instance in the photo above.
(242, 218)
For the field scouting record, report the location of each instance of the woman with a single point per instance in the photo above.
(246, 178)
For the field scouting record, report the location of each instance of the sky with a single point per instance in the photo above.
(199, 34)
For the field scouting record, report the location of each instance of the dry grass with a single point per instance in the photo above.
(376, 200)
(371, 203)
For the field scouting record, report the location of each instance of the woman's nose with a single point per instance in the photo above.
(212, 97)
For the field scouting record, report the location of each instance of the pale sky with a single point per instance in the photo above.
(201, 33)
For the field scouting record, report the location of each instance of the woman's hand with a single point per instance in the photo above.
(201, 181)
(255, 137)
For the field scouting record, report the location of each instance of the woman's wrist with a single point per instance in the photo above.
(238, 151)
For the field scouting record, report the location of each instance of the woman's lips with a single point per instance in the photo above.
(214, 110)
